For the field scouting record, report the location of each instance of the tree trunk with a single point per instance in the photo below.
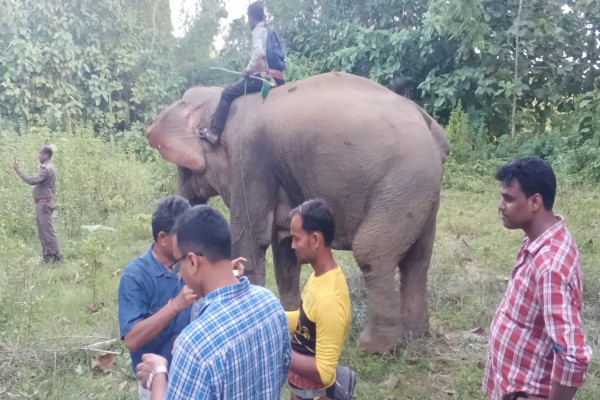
(514, 100)
(154, 11)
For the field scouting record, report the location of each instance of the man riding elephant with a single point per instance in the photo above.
(249, 84)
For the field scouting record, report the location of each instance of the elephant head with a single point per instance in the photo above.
(203, 169)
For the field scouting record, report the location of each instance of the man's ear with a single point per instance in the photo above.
(318, 239)
(313, 240)
(537, 202)
(162, 237)
(195, 264)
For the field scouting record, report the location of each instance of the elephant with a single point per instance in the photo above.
(376, 158)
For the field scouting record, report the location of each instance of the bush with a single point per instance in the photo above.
(457, 133)
(583, 163)
(474, 177)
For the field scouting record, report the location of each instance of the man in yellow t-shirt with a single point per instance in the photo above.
(320, 327)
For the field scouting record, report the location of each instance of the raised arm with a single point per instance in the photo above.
(41, 177)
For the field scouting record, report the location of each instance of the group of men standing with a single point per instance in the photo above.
(240, 344)
(239, 347)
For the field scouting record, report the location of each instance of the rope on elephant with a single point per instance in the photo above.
(266, 86)
(242, 125)
(268, 82)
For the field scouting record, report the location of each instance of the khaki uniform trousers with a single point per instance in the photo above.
(45, 227)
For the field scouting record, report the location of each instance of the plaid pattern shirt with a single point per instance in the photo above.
(536, 337)
(237, 348)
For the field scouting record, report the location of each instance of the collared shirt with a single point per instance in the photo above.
(44, 182)
(258, 57)
(536, 337)
(146, 286)
(237, 348)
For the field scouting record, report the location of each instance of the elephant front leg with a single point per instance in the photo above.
(251, 232)
(287, 273)
(253, 247)
(253, 200)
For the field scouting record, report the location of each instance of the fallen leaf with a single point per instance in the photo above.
(478, 331)
(93, 228)
(79, 370)
(122, 386)
(104, 362)
(94, 308)
(391, 381)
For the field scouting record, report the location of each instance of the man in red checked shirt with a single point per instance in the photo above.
(537, 348)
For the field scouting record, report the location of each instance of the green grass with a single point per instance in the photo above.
(44, 319)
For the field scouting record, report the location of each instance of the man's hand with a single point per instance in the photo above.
(16, 166)
(149, 362)
(245, 73)
(184, 299)
(238, 266)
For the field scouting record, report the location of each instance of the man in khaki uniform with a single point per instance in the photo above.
(43, 195)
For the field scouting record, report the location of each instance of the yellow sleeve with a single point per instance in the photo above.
(292, 318)
(332, 323)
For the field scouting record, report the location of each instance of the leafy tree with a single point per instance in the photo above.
(196, 52)
(82, 60)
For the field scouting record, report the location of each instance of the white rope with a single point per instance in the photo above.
(242, 124)
(268, 82)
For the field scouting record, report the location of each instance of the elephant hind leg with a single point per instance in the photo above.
(413, 280)
(378, 261)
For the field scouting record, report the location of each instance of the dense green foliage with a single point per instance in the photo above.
(113, 64)
(66, 62)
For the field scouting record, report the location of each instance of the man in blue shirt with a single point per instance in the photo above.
(153, 300)
(239, 346)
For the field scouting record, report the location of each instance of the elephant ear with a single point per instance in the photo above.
(174, 135)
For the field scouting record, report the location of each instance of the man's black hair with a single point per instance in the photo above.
(166, 214)
(204, 230)
(534, 175)
(256, 11)
(316, 217)
(47, 150)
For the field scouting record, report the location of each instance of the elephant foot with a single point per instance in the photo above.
(417, 330)
(416, 327)
(290, 302)
(380, 340)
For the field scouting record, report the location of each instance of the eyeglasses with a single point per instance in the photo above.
(175, 268)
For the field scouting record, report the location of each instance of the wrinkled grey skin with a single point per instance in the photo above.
(374, 157)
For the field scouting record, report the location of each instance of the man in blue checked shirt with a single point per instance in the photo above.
(239, 346)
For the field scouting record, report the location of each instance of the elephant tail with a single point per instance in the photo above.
(438, 134)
